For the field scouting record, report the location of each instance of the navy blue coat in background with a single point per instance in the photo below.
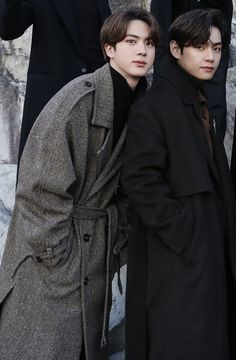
(165, 12)
(58, 53)
(181, 252)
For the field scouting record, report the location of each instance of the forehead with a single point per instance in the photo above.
(215, 35)
(138, 28)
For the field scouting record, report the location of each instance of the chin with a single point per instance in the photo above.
(140, 73)
(208, 77)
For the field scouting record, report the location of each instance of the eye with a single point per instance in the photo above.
(149, 43)
(130, 41)
(201, 47)
(217, 49)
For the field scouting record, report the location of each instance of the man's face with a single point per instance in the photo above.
(202, 61)
(134, 55)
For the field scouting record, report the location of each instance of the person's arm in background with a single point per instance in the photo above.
(15, 17)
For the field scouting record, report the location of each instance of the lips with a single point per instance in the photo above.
(140, 63)
(207, 68)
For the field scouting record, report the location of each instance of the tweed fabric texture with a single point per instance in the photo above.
(50, 307)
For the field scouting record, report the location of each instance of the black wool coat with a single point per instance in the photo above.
(57, 55)
(178, 258)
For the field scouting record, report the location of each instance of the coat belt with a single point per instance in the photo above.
(85, 213)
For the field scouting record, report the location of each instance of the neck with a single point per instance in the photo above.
(131, 80)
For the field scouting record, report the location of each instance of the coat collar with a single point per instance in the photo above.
(181, 81)
(65, 13)
(188, 91)
(104, 99)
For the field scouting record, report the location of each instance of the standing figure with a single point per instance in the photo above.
(65, 44)
(214, 89)
(56, 270)
(180, 258)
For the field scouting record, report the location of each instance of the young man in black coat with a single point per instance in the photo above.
(177, 178)
(65, 44)
(214, 89)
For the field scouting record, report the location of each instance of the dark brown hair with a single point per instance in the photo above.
(193, 27)
(115, 27)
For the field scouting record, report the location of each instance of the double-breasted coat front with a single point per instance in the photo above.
(178, 256)
(55, 272)
(60, 50)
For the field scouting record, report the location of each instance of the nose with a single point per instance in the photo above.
(142, 50)
(210, 54)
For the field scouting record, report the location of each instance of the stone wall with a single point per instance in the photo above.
(13, 68)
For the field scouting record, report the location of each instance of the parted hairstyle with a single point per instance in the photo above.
(115, 27)
(194, 27)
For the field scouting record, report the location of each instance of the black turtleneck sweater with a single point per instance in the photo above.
(123, 98)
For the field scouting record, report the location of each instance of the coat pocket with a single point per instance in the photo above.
(55, 256)
(179, 232)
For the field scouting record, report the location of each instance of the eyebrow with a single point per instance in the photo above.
(136, 36)
(214, 44)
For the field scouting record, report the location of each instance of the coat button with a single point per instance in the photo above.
(86, 281)
(83, 70)
(88, 83)
(86, 237)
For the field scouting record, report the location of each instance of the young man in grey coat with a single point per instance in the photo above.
(56, 269)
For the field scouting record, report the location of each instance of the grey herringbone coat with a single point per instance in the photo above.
(55, 271)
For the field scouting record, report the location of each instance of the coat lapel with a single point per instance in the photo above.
(108, 162)
(213, 162)
(103, 113)
(210, 157)
(103, 102)
(188, 94)
(111, 168)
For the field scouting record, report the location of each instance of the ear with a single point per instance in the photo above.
(175, 49)
(110, 51)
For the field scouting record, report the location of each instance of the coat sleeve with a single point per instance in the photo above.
(143, 180)
(47, 178)
(15, 17)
